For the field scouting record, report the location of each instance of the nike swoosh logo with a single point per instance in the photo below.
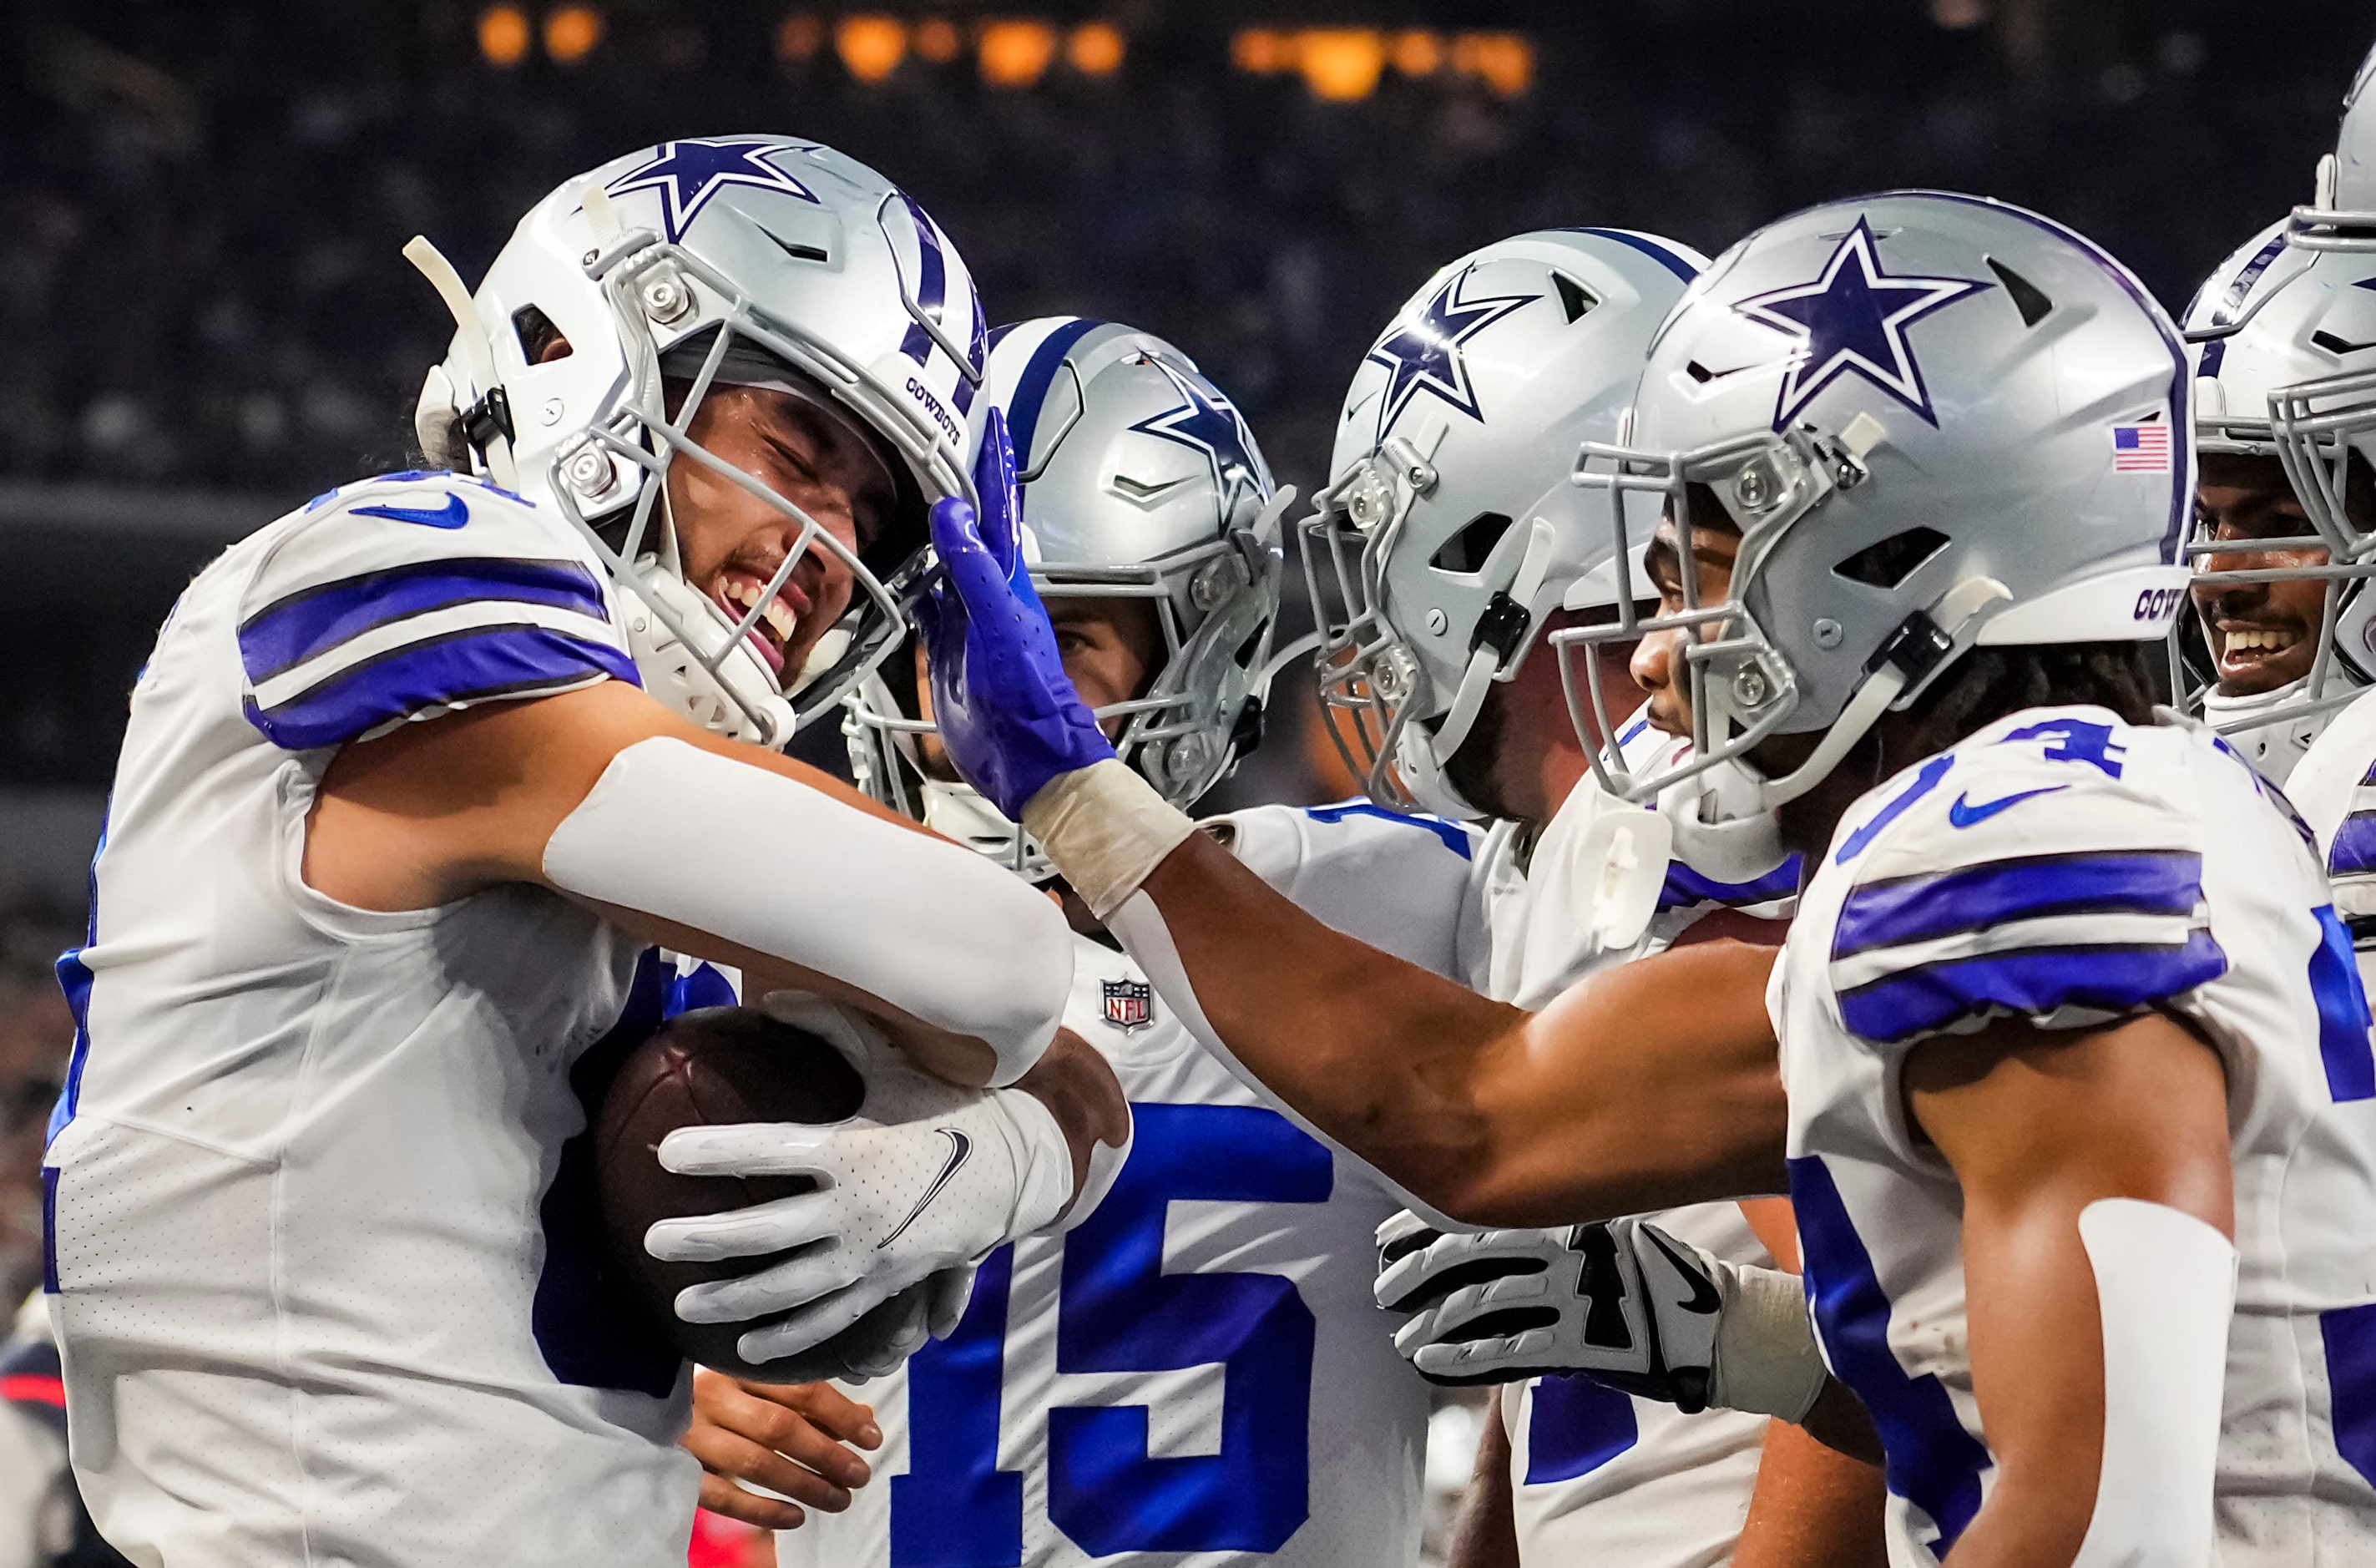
(960, 1146)
(453, 515)
(1702, 1298)
(1963, 814)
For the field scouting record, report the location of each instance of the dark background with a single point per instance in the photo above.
(206, 318)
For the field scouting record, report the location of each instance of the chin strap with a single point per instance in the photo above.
(487, 423)
(1499, 632)
(1924, 643)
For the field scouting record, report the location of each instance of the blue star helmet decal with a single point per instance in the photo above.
(687, 173)
(1214, 428)
(1423, 353)
(1853, 318)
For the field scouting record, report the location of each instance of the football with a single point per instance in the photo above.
(711, 1066)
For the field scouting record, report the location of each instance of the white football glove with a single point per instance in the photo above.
(923, 1182)
(1622, 1302)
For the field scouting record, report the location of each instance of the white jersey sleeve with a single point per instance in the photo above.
(414, 595)
(2335, 787)
(1964, 907)
(1403, 882)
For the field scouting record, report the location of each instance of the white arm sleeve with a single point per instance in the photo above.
(2164, 1287)
(690, 836)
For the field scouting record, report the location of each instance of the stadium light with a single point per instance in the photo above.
(1014, 51)
(571, 33)
(503, 35)
(1417, 53)
(1261, 51)
(799, 37)
(1503, 61)
(937, 40)
(871, 46)
(1341, 63)
(1095, 49)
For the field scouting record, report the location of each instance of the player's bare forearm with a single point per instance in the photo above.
(2038, 1126)
(1486, 1533)
(1650, 1084)
(1814, 1507)
(1079, 1086)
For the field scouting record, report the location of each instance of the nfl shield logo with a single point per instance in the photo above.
(1130, 1004)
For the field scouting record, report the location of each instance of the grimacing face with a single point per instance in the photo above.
(732, 542)
(2261, 636)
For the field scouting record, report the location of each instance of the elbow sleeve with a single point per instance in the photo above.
(767, 863)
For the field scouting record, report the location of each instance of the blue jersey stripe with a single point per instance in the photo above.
(2355, 844)
(1917, 909)
(305, 625)
(1454, 837)
(1685, 886)
(489, 661)
(2029, 982)
(1929, 1458)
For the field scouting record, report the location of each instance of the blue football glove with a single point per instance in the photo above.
(1006, 710)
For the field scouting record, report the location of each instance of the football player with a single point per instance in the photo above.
(1200, 1369)
(2298, 336)
(413, 782)
(1449, 543)
(2050, 1040)
(2271, 324)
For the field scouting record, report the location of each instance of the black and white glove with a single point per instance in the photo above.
(1622, 1302)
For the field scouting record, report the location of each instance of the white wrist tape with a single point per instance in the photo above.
(1106, 828)
(2164, 1288)
(745, 854)
(1766, 1360)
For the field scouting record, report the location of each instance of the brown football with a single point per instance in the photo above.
(711, 1066)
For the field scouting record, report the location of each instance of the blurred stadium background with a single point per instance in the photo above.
(206, 319)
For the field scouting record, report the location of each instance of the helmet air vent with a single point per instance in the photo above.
(794, 248)
(2334, 344)
(1466, 550)
(1574, 297)
(2026, 296)
(1894, 559)
(540, 342)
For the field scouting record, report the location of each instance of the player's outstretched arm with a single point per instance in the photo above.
(2098, 1201)
(1650, 1086)
(710, 847)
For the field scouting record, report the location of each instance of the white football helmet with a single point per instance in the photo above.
(2342, 212)
(1449, 530)
(1139, 480)
(754, 260)
(1935, 421)
(2285, 347)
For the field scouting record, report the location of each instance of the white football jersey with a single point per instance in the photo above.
(2333, 786)
(2066, 867)
(324, 1264)
(1197, 1373)
(1597, 1476)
